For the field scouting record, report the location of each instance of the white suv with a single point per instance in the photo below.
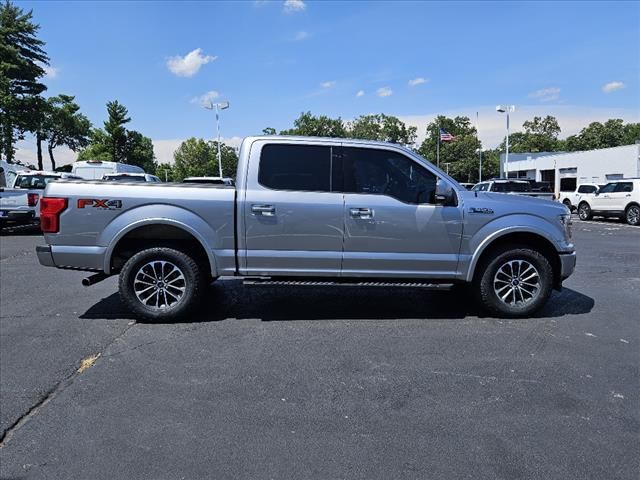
(572, 199)
(616, 199)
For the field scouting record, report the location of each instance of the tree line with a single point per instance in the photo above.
(57, 120)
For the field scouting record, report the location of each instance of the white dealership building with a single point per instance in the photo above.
(567, 170)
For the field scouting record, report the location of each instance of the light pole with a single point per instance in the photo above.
(217, 107)
(506, 109)
(479, 150)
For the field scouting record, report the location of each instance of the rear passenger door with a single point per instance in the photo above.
(293, 221)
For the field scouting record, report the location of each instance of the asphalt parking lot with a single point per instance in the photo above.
(270, 382)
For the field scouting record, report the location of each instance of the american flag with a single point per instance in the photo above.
(445, 136)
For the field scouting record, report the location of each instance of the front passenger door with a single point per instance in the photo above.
(393, 227)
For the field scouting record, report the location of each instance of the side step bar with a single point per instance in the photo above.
(347, 283)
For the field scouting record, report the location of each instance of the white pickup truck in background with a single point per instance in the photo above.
(513, 186)
(20, 203)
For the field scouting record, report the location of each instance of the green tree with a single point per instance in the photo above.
(612, 133)
(21, 60)
(117, 144)
(63, 125)
(540, 135)
(139, 151)
(322, 126)
(196, 157)
(461, 154)
(114, 127)
(269, 131)
(165, 172)
(381, 127)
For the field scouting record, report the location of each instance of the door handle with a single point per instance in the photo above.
(363, 213)
(264, 210)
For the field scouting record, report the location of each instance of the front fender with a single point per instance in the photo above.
(159, 215)
(517, 223)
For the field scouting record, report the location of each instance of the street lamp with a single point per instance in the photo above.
(506, 109)
(479, 152)
(217, 107)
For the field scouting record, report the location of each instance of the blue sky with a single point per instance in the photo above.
(272, 60)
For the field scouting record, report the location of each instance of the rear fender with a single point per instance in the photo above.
(159, 215)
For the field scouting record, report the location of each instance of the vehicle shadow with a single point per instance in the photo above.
(230, 299)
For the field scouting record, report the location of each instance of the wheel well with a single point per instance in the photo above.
(527, 239)
(631, 204)
(158, 235)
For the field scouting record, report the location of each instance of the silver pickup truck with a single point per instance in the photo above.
(310, 211)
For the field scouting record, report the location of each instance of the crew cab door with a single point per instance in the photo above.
(293, 221)
(393, 226)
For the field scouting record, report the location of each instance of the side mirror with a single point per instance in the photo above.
(444, 194)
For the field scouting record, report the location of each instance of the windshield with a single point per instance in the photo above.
(37, 182)
(124, 178)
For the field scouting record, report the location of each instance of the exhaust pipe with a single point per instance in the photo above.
(93, 279)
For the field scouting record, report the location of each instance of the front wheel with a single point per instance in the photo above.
(514, 282)
(632, 215)
(161, 284)
(584, 211)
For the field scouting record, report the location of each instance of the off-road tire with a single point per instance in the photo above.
(584, 211)
(194, 284)
(483, 286)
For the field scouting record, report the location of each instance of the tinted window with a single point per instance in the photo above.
(586, 189)
(511, 187)
(608, 188)
(381, 172)
(37, 182)
(124, 178)
(624, 187)
(295, 167)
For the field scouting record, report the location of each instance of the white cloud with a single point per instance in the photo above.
(190, 64)
(546, 94)
(360, 93)
(301, 35)
(293, 6)
(612, 87)
(50, 72)
(330, 84)
(384, 92)
(206, 98)
(417, 81)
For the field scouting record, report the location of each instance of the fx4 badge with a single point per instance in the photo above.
(105, 204)
(486, 211)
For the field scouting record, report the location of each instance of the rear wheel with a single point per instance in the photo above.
(567, 203)
(161, 284)
(632, 215)
(584, 211)
(514, 282)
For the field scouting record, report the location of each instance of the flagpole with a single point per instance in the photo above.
(438, 145)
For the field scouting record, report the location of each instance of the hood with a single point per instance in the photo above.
(515, 203)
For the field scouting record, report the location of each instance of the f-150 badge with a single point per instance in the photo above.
(486, 211)
(105, 204)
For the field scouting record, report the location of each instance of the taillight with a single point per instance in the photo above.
(32, 199)
(50, 210)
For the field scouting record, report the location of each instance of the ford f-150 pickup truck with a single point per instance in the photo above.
(310, 211)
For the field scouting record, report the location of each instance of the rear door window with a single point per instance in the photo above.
(624, 187)
(295, 167)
